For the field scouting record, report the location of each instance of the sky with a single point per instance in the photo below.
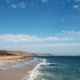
(41, 26)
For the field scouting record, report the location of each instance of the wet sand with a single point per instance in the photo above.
(15, 74)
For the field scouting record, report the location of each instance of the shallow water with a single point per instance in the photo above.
(22, 65)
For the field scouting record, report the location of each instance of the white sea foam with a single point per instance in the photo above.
(35, 72)
(46, 63)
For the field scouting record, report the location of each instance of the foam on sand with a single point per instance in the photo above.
(35, 72)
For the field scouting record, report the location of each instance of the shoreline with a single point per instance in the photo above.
(19, 73)
(14, 73)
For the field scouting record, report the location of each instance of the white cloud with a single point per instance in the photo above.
(73, 33)
(76, 6)
(45, 45)
(55, 39)
(22, 5)
(13, 6)
(69, 34)
(19, 5)
(18, 38)
(28, 38)
(44, 0)
(64, 36)
(63, 31)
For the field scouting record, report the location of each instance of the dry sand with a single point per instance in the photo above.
(11, 60)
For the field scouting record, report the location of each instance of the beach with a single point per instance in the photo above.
(12, 60)
(14, 73)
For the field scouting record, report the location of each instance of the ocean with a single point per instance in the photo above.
(56, 68)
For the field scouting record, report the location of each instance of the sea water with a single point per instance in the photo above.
(56, 68)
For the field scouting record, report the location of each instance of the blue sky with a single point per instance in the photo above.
(43, 26)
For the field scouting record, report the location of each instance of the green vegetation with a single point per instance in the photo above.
(6, 54)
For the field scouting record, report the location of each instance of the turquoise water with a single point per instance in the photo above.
(58, 68)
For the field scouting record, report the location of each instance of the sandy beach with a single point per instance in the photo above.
(12, 60)
(15, 73)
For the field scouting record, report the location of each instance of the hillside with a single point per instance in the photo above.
(6, 54)
(22, 53)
